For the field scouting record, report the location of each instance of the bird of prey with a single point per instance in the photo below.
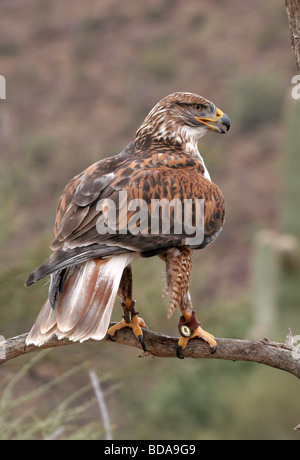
(89, 267)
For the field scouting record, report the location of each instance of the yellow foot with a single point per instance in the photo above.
(136, 324)
(190, 329)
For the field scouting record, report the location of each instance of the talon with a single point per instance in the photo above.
(131, 320)
(189, 328)
(142, 342)
(179, 352)
(110, 337)
(213, 350)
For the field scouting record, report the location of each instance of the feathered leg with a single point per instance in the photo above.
(178, 271)
(130, 318)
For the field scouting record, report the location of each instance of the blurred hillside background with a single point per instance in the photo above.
(81, 77)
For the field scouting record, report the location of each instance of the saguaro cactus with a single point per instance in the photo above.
(276, 261)
(265, 283)
(291, 204)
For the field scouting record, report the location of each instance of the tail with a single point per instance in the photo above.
(84, 309)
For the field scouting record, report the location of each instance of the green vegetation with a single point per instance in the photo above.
(69, 419)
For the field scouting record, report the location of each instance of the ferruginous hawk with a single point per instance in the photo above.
(129, 206)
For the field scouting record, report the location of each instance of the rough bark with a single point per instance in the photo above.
(293, 10)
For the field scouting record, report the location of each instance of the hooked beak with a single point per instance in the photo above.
(220, 124)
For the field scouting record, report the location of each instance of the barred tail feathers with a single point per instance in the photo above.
(84, 310)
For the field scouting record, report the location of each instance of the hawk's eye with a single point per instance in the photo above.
(198, 107)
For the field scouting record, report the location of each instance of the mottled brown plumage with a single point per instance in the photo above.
(162, 162)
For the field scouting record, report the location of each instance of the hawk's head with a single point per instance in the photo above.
(184, 117)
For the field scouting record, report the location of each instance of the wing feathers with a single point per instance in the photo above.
(62, 259)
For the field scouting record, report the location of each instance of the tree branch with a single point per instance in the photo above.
(293, 10)
(272, 354)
